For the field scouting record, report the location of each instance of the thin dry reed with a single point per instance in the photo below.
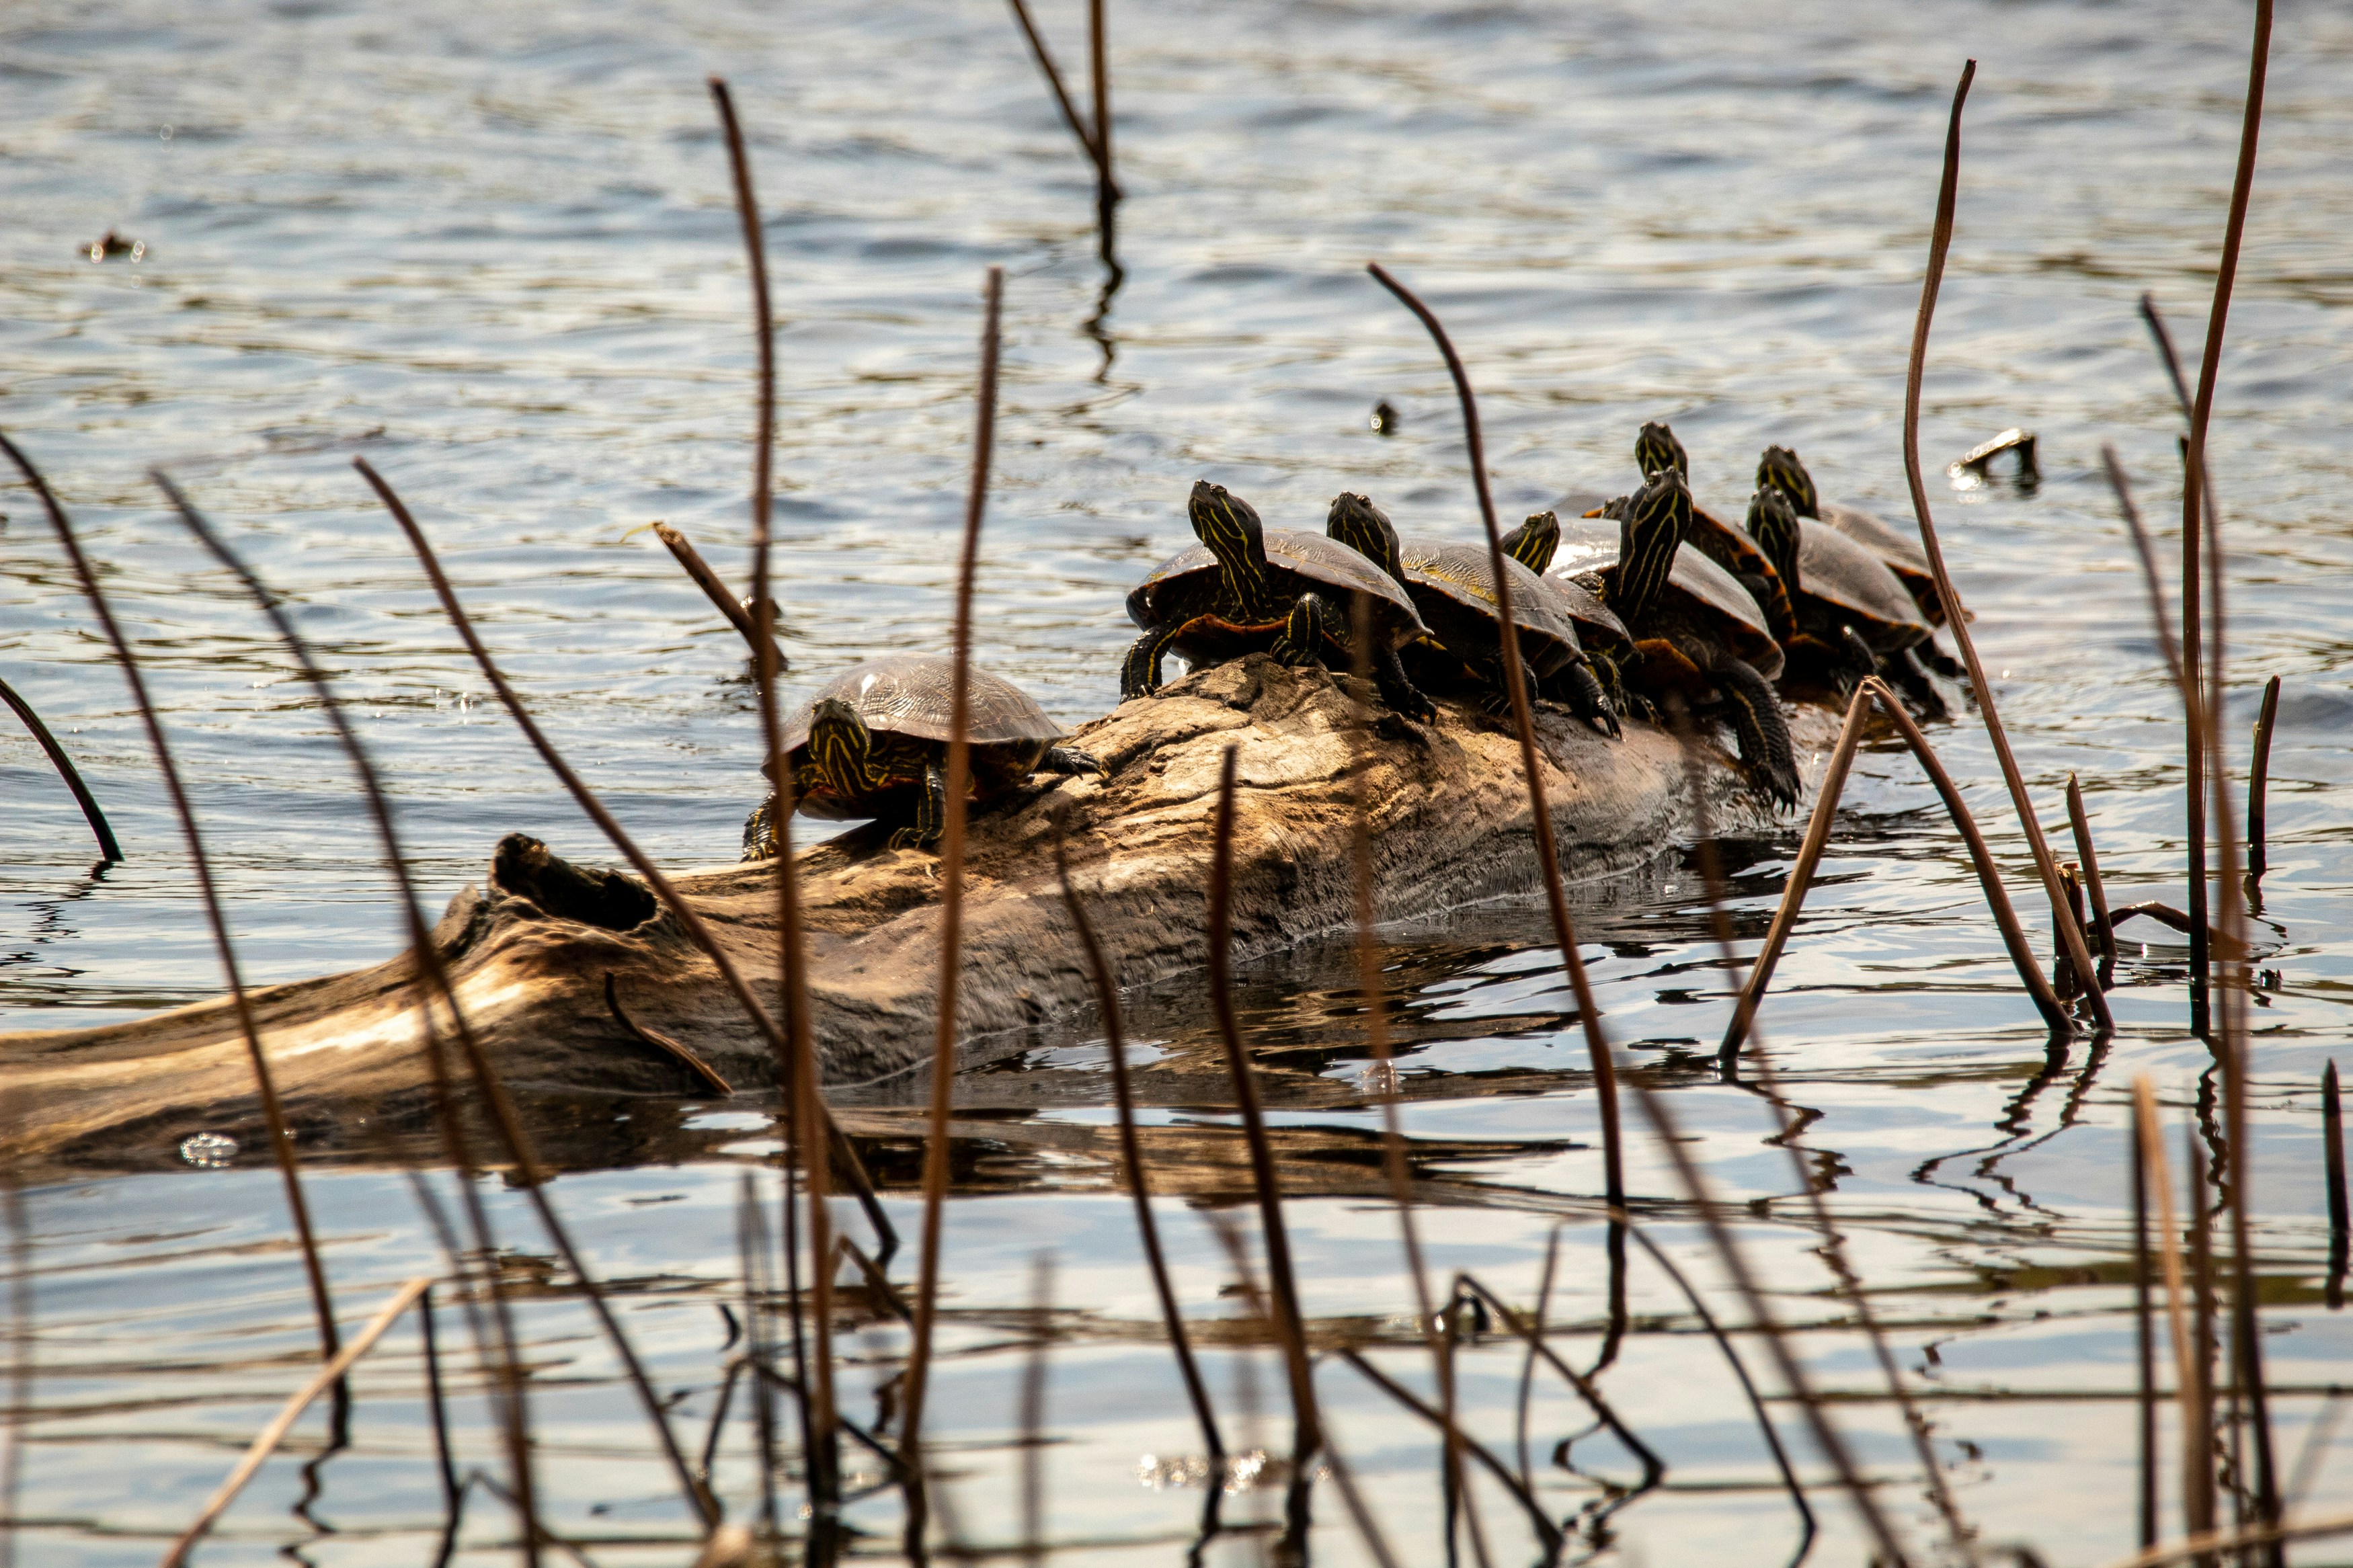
(99, 828)
(2332, 1156)
(2079, 823)
(1131, 1153)
(1588, 1010)
(808, 1125)
(682, 551)
(943, 1036)
(1940, 243)
(1289, 1325)
(2259, 779)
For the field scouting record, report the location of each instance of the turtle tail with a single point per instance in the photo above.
(1763, 732)
(760, 830)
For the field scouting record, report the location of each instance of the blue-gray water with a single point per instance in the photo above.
(492, 251)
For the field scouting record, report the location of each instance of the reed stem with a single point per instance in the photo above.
(1939, 243)
(2332, 1154)
(1282, 1282)
(1130, 1152)
(1588, 1010)
(2079, 823)
(959, 785)
(682, 551)
(2259, 778)
(99, 828)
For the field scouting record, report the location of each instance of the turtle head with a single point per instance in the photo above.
(840, 747)
(1773, 525)
(1656, 451)
(1649, 535)
(1230, 526)
(1365, 527)
(1778, 469)
(1533, 543)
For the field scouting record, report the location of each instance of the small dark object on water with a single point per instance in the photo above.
(875, 743)
(1973, 468)
(1384, 418)
(2259, 778)
(111, 245)
(2332, 1133)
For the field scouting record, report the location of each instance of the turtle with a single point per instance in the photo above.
(1608, 646)
(1247, 587)
(1779, 468)
(874, 743)
(1656, 449)
(1453, 587)
(1855, 616)
(1699, 632)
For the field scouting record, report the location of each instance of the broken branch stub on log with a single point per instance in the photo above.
(529, 950)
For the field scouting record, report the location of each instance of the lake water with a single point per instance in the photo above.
(492, 251)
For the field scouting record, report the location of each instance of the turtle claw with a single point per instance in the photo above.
(1069, 760)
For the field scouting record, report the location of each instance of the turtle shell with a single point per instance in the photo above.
(1590, 544)
(1851, 576)
(913, 694)
(1901, 550)
(1309, 561)
(1464, 574)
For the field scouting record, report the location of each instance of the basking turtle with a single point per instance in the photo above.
(1854, 617)
(1453, 587)
(1700, 634)
(874, 743)
(1608, 646)
(1247, 587)
(1656, 450)
(1779, 470)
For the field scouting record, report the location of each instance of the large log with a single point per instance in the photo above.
(532, 952)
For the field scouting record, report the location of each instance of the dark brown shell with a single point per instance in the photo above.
(1464, 574)
(1901, 550)
(1852, 575)
(913, 694)
(1312, 559)
(1590, 544)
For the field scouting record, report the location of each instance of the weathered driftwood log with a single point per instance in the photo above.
(534, 951)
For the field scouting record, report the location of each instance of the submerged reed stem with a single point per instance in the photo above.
(99, 828)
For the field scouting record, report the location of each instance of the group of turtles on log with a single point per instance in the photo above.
(1643, 601)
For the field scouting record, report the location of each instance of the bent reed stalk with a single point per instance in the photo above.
(99, 828)
(1596, 1040)
(1939, 243)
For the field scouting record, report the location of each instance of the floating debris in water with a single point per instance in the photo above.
(111, 245)
(1973, 468)
(210, 1151)
(1384, 418)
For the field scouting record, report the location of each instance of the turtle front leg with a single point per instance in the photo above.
(1399, 690)
(931, 812)
(1860, 662)
(1585, 698)
(1139, 674)
(1067, 760)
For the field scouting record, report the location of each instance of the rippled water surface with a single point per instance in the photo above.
(491, 250)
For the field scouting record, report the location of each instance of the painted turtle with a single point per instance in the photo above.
(1855, 616)
(1700, 632)
(1656, 450)
(1247, 587)
(1779, 470)
(1453, 587)
(1608, 646)
(874, 743)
